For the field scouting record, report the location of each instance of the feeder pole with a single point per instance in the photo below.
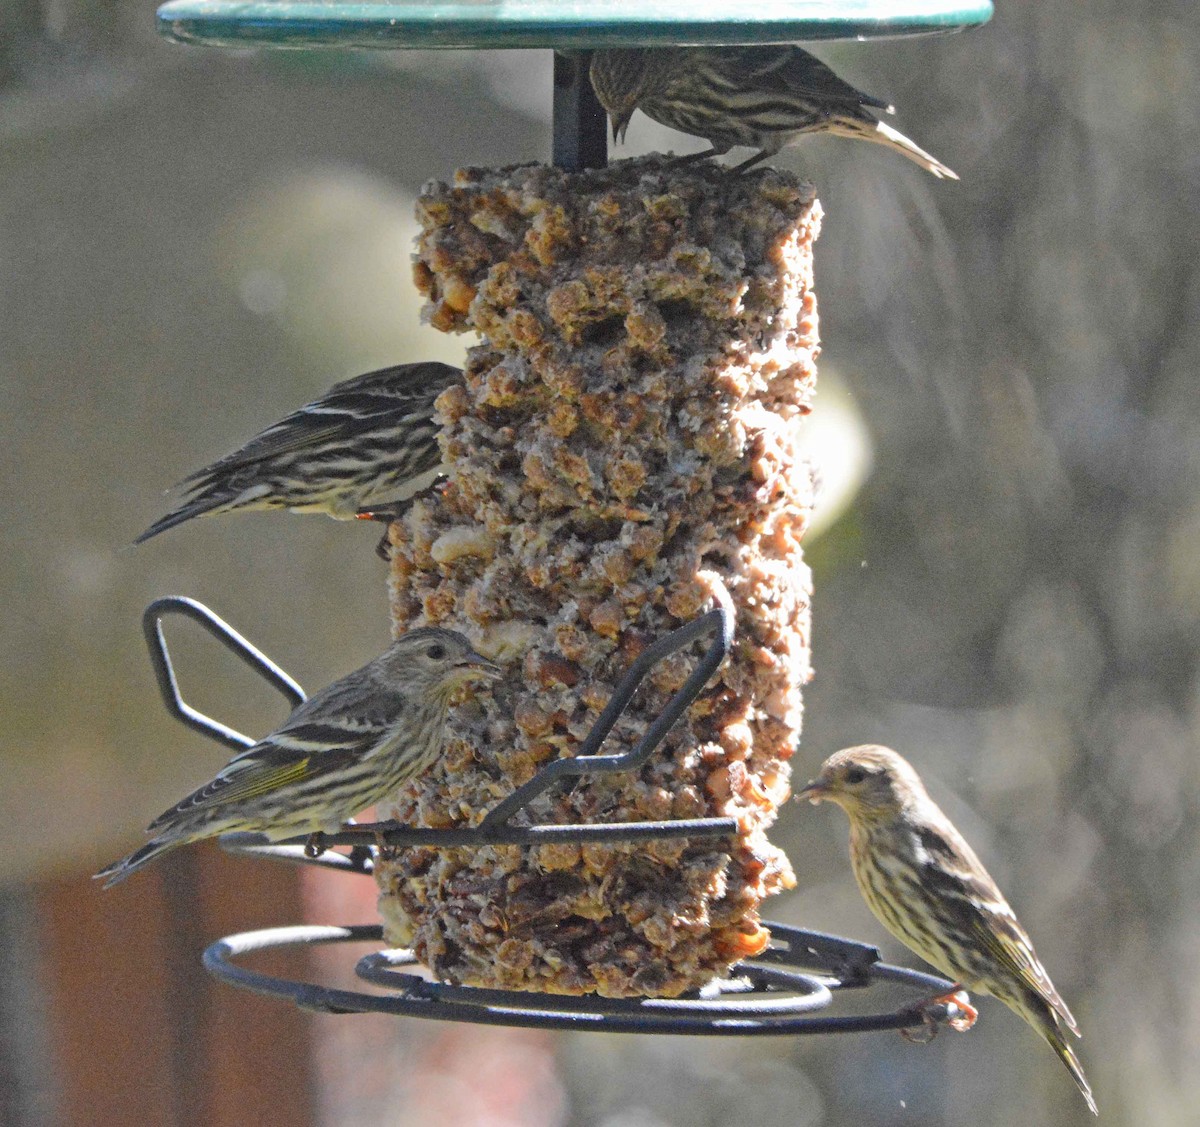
(579, 119)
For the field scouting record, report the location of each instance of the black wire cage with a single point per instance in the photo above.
(785, 990)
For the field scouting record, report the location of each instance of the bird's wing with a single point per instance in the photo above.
(347, 409)
(1002, 935)
(331, 730)
(958, 874)
(263, 769)
(794, 71)
(357, 707)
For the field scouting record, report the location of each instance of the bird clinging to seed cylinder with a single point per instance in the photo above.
(761, 97)
(345, 748)
(926, 886)
(367, 443)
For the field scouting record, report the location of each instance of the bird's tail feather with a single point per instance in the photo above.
(139, 858)
(1067, 1055)
(894, 139)
(216, 498)
(883, 134)
(195, 508)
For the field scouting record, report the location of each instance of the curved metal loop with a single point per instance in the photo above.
(216, 627)
(586, 762)
(218, 961)
(757, 1000)
(731, 998)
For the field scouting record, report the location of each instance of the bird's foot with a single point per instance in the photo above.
(361, 858)
(378, 831)
(385, 513)
(748, 164)
(389, 514)
(961, 1015)
(386, 516)
(315, 845)
(691, 158)
(921, 1036)
(952, 1008)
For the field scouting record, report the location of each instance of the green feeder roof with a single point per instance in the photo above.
(554, 23)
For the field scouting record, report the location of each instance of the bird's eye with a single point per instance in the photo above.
(436, 652)
(855, 776)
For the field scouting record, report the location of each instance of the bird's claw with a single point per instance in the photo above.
(961, 1015)
(924, 1034)
(315, 845)
(952, 1008)
(385, 515)
(677, 161)
(748, 165)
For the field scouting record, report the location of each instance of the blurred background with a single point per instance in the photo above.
(194, 242)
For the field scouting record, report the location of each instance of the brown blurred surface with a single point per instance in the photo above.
(141, 1033)
(138, 246)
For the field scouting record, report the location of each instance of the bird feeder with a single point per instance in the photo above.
(624, 484)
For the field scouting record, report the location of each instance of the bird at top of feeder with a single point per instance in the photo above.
(367, 443)
(926, 886)
(761, 97)
(345, 748)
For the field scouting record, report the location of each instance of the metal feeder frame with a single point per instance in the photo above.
(777, 992)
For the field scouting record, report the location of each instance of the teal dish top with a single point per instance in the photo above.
(554, 23)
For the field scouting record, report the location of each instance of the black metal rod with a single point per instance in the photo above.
(409, 837)
(360, 860)
(218, 628)
(580, 122)
(582, 832)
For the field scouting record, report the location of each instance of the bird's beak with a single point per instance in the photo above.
(476, 667)
(814, 791)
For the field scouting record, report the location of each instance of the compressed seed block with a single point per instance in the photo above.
(624, 440)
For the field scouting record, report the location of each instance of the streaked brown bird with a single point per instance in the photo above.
(761, 97)
(345, 748)
(926, 886)
(366, 444)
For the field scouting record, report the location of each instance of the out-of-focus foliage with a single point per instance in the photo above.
(191, 244)
(190, 251)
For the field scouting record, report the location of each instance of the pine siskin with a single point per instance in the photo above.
(927, 887)
(345, 748)
(367, 442)
(763, 97)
